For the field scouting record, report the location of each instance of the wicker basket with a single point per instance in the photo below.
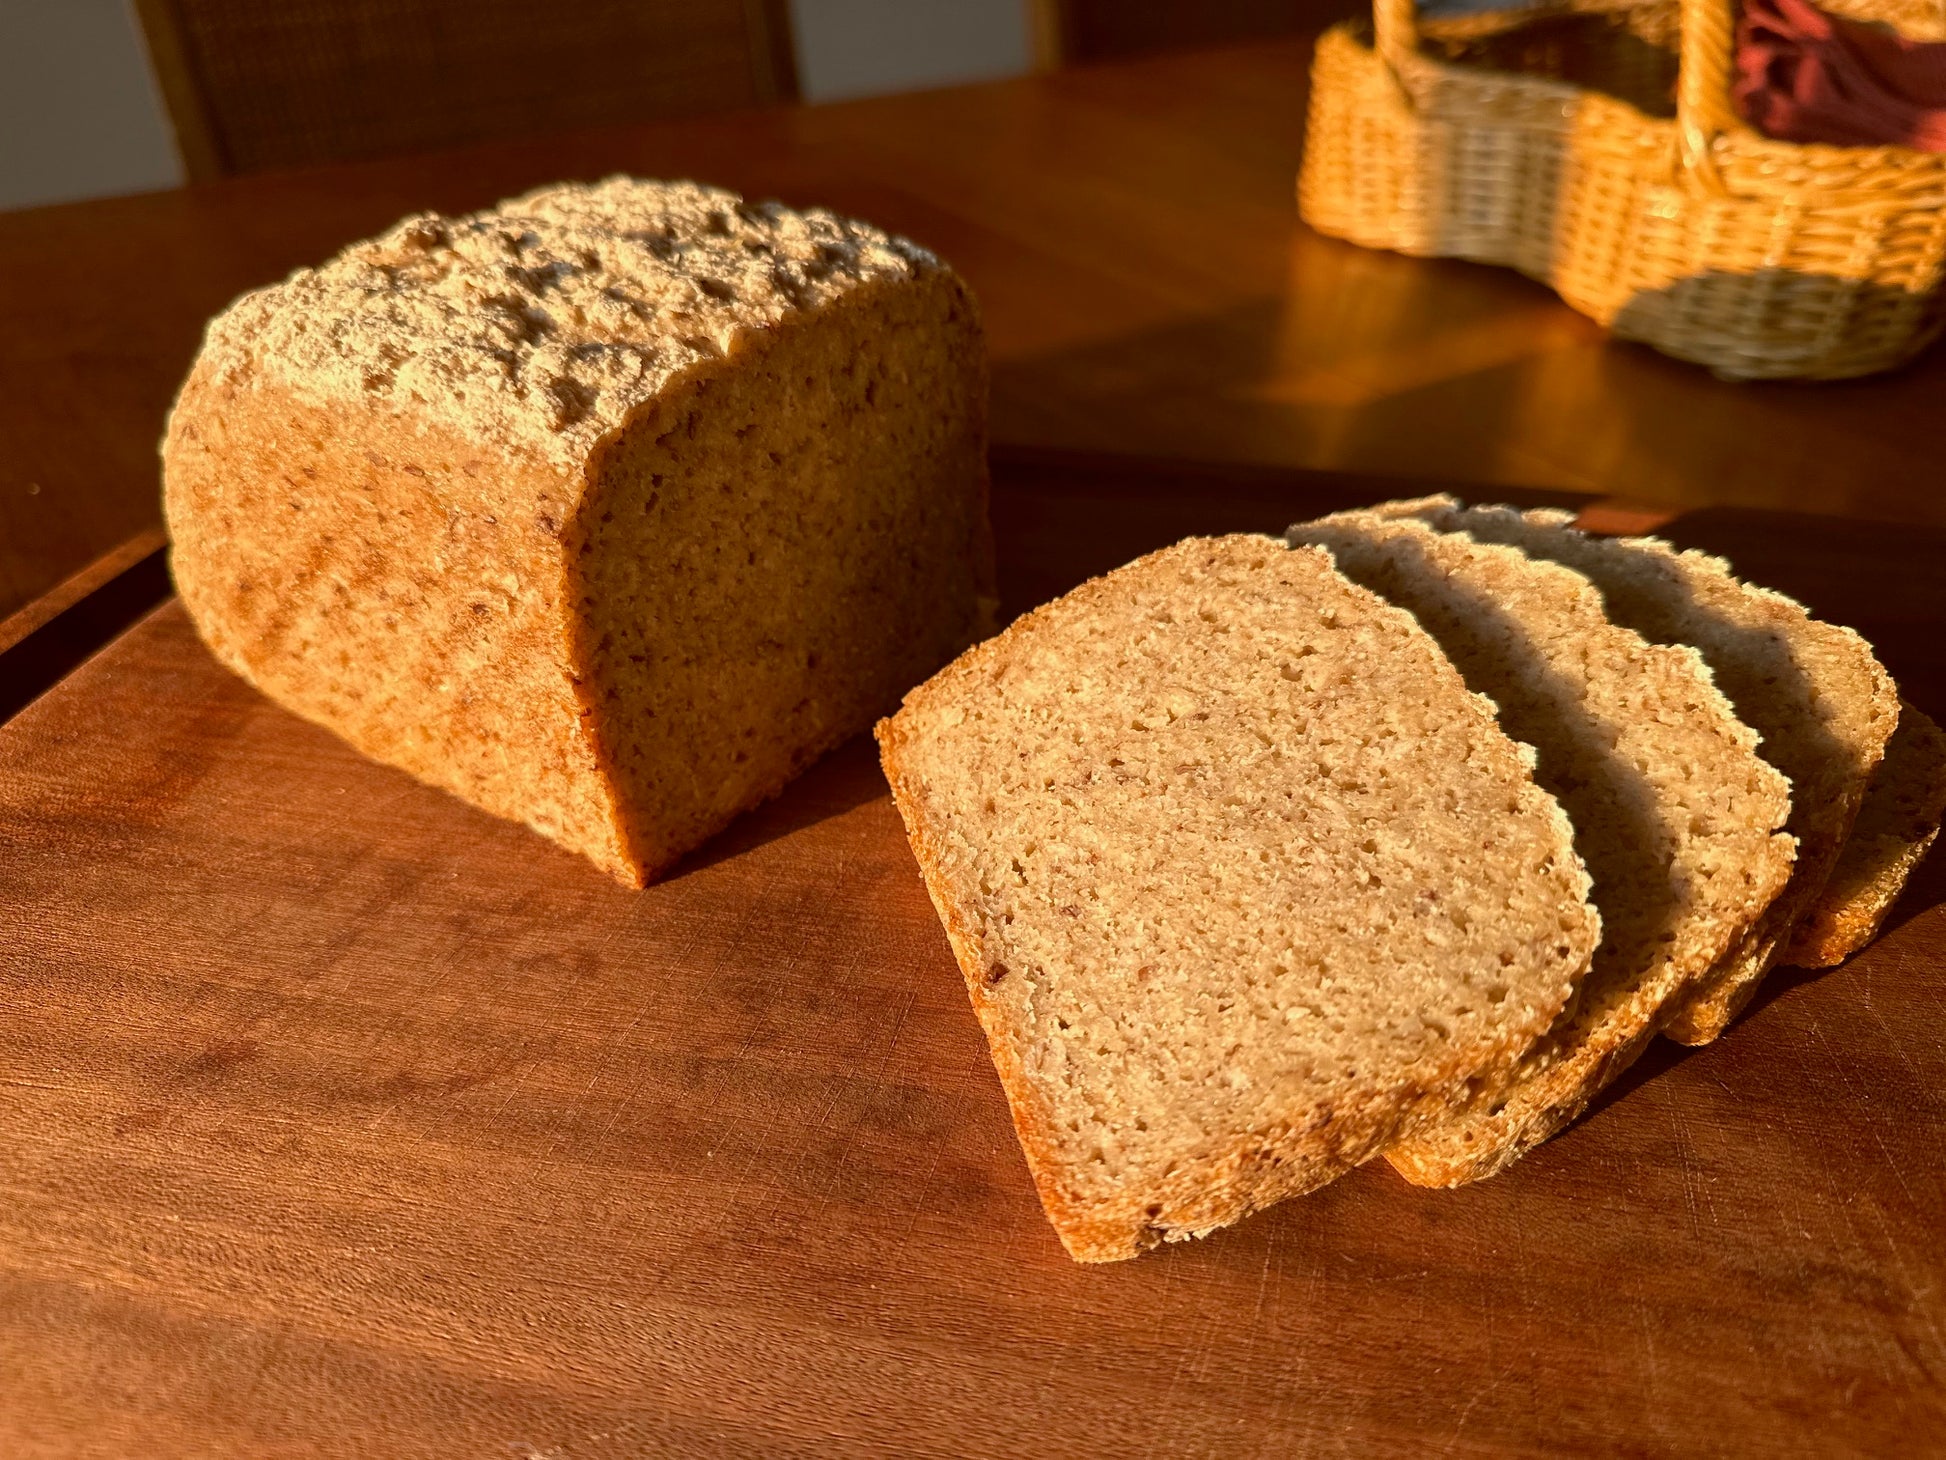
(1595, 147)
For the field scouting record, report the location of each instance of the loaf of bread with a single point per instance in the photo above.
(1813, 691)
(1675, 814)
(1897, 822)
(1244, 883)
(608, 509)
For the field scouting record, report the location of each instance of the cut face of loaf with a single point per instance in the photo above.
(1897, 822)
(1675, 814)
(1813, 691)
(1244, 883)
(609, 509)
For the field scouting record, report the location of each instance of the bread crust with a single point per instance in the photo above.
(387, 481)
(315, 550)
(1897, 824)
(1251, 1170)
(1653, 767)
(1756, 620)
(1226, 1189)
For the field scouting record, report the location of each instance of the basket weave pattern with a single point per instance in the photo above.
(1593, 146)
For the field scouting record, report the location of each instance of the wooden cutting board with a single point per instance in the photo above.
(337, 1118)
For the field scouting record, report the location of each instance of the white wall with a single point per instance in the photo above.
(80, 115)
(870, 47)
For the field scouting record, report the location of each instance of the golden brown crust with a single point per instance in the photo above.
(1815, 690)
(1897, 824)
(423, 494)
(324, 557)
(1675, 812)
(1086, 1240)
(1249, 1169)
(1424, 1163)
(1217, 1193)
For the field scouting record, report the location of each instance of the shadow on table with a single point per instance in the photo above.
(1447, 369)
(1926, 891)
(842, 781)
(1397, 366)
(1062, 517)
(43, 658)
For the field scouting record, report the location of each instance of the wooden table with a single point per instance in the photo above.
(1132, 235)
(339, 1119)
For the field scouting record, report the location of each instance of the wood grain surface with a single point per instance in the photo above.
(339, 1119)
(1131, 231)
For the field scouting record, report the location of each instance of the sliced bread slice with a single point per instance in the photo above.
(1814, 691)
(1243, 881)
(1896, 824)
(1675, 814)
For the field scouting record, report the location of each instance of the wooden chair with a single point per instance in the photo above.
(255, 84)
(1070, 31)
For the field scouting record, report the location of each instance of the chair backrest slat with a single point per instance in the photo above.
(254, 86)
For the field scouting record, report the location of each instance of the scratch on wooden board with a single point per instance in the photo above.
(1908, 971)
(1263, 1277)
(1311, 1299)
(1842, 1067)
(1926, 1370)
(1164, 1309)
(1892, 1165)
(1651, 1363)
(634, 1090)
(522, 1063)
(877, 1083)
(924, 1184)
(613, 1054)
(1918, 1307)
(1696, 1194)
(1381, 1279)
(757, 1156)
(1458, 1436)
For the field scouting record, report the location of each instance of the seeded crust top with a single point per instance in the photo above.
(536, 326)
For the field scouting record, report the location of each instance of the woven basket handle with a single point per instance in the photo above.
(1395, 28)
(1703, 109)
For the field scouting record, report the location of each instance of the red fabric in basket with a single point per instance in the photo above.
(1803, 75)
